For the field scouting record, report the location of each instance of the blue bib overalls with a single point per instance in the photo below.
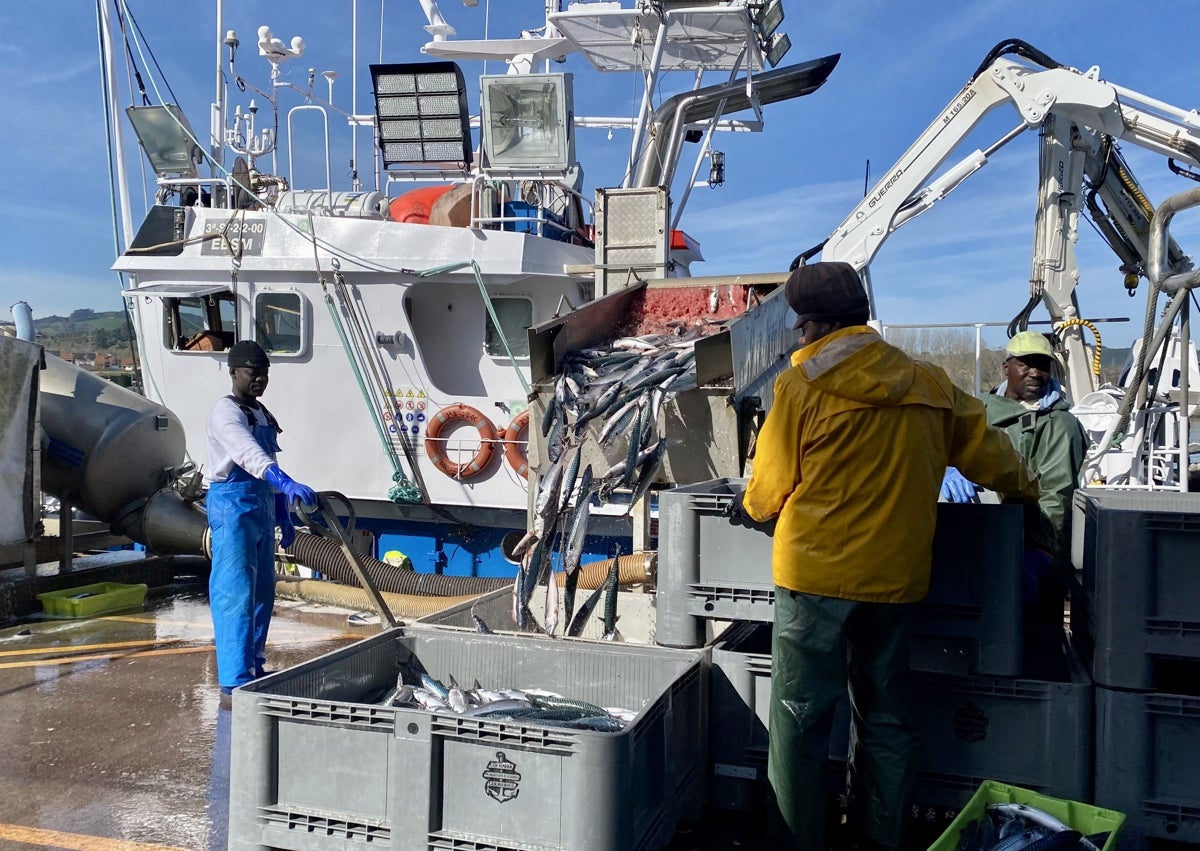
(241, 587)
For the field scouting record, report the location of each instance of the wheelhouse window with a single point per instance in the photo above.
(515, 315)
(279, 322)
(200, 323)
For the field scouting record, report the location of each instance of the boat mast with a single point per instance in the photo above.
(356, 184)
(118, 136)
(216, 141)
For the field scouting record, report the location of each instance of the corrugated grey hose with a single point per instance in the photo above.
(326, 556)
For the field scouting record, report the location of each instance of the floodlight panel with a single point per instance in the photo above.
(421, 113)
(780, 45)
(527, 122)
(167, 139)
(437, 82)
(771, 18)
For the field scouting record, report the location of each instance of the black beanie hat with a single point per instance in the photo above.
(825, 291)
(248, 353)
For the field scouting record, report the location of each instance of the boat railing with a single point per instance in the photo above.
(489, 195)
(309, 107)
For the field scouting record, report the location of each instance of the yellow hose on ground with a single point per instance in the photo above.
(336, 594)
(1071, 323)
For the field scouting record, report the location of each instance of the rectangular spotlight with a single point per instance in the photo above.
(167, 139)
(779, 45)
(528, 122)
(421, 114)
(769, 18)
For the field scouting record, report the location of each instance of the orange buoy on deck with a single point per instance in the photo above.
(415, 205)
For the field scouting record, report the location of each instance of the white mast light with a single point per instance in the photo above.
(527, 123)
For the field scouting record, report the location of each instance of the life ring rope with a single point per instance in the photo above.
(435, 444)
(516, 451)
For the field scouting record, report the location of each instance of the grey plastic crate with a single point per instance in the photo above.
(738, 707)
(1033, 733)
(1137, 554)
(1149, 764)
(707, 567)
(314, 767)
(711, 569)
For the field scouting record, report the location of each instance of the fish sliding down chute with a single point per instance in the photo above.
(620, 384)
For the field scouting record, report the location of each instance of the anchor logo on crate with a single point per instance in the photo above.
(501, 780)
(970, 723)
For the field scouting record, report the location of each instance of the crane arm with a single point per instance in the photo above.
(910, 187)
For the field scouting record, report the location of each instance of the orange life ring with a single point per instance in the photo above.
(435, 446)
(513, 454)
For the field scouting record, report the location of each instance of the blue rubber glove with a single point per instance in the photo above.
(956, 487)
(283, 519)
(292, 489)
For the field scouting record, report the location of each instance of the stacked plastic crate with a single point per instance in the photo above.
(987, 714)
(1135, 615)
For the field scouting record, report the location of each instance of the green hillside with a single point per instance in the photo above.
(85, 330)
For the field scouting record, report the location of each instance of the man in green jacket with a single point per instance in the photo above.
(1029, 407)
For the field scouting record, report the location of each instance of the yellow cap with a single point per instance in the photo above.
(1029, 343)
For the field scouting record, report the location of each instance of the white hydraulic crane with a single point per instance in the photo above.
(1080, 118)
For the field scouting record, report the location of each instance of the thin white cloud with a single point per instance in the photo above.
(57, 75)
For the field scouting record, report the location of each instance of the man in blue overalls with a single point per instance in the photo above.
(248, 496)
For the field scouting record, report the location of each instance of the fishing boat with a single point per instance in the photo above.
(395, 305)
(269, 252)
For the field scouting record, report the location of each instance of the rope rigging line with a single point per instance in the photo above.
(403, 490)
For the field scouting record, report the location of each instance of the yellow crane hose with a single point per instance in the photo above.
(1071, 323)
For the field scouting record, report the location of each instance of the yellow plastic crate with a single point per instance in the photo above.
(89, 600)
(1082, 817)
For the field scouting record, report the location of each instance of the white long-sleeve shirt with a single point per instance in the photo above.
(231, 441)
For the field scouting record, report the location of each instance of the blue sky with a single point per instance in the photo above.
(787, 188)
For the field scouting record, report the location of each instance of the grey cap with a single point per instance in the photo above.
(825, 291)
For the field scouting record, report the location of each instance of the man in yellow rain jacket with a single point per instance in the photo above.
(850, 460)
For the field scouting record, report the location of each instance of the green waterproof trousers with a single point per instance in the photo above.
(820, 645)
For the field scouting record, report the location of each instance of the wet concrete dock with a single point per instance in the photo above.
(112, 735)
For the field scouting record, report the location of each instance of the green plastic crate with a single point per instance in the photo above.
(89, 600)
(1085, 818)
